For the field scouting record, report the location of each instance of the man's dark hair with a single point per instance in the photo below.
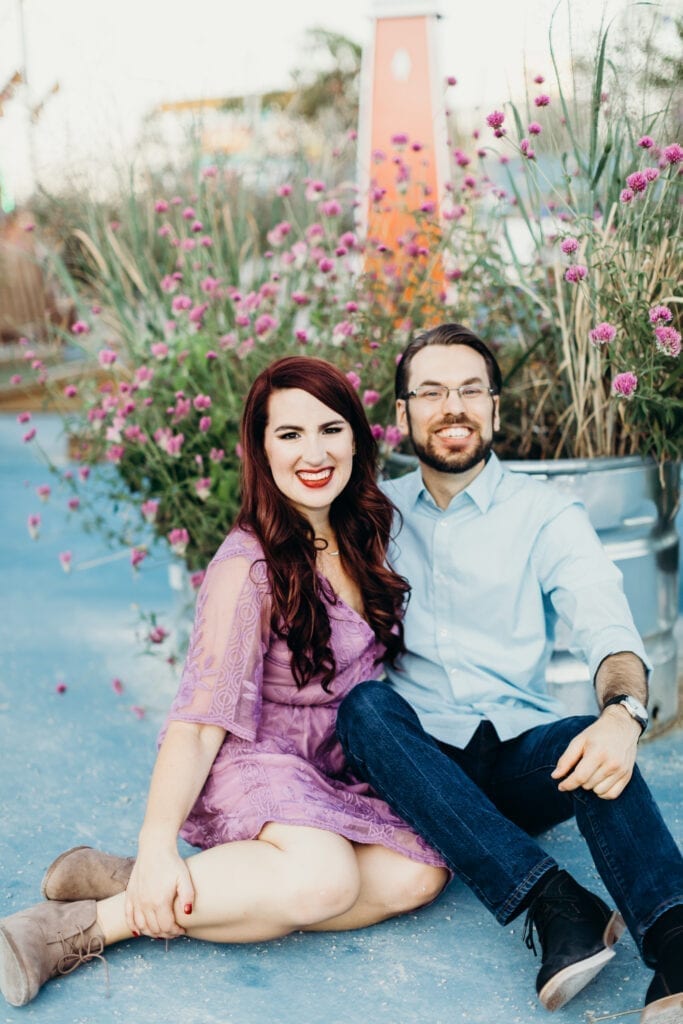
(447, 334)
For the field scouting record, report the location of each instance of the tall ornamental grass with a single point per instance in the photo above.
(588, 209)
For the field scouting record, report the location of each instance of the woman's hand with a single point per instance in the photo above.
(160, 893)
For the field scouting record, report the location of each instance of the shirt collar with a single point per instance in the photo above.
(480, 491)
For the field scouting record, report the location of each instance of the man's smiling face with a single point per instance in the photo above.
(452, 435)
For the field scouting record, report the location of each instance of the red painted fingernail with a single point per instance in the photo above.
(136, 934)
(188, 908)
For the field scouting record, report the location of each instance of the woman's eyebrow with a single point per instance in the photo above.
(321, 426)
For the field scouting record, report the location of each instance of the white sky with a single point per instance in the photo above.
(116, 60)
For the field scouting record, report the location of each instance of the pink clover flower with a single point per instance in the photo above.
(624, 384)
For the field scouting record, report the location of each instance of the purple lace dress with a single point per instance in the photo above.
(280, 760)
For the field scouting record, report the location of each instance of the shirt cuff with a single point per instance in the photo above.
(618, 640)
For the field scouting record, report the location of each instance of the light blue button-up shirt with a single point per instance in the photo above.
(490, 577)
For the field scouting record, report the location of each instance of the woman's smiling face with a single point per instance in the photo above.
(309, 448)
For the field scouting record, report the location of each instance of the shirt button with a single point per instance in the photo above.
(443, 632)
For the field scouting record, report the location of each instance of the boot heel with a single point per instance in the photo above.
(614, 929)
(86, 874)
(47, 877)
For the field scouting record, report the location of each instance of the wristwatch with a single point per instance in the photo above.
(634, 707)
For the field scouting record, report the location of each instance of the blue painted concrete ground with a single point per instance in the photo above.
(74, 770)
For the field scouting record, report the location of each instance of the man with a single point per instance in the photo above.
(464, 740)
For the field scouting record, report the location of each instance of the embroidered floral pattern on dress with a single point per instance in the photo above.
(280, 760)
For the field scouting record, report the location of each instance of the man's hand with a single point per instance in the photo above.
(601, 758)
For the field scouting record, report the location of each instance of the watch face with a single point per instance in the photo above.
(636, 709)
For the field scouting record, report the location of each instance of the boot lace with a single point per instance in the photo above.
(542, 911)
(77, 950)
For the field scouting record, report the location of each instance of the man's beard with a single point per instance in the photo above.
(454, 462)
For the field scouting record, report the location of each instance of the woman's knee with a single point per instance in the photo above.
(416, 886)
(423, 884)
(319, 874)
(317, 893)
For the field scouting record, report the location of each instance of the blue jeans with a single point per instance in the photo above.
(480, 807)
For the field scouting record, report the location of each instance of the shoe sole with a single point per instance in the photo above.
(12, 977)
(668, 1010)
(53, 867)
(564, 985)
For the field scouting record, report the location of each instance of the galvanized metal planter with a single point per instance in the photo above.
(633, 510)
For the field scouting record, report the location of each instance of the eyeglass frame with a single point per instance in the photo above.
(446, 391)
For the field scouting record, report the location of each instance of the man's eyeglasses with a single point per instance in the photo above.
(440, 392)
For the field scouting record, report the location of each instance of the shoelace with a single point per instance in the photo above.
(540, 914)
(76, 950)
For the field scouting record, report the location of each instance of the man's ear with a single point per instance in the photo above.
(496, 412)
(402, 416)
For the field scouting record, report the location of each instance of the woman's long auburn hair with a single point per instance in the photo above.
(361, 517)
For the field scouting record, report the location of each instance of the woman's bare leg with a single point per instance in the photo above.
(390, 884)
(288, 879)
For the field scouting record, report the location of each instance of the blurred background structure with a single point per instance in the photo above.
(80, 85)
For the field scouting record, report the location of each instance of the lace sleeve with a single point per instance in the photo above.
(223, 672)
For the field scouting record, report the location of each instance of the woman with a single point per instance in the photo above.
(296, 608)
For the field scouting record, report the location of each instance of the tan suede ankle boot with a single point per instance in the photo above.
(86, 874)
(43, 942)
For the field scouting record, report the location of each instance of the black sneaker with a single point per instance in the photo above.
(576, 931)
(664, 999)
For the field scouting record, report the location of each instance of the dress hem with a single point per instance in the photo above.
(426, 856)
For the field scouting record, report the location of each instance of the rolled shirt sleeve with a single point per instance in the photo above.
(585, 589)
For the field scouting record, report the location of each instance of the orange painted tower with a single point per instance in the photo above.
(402, 139)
